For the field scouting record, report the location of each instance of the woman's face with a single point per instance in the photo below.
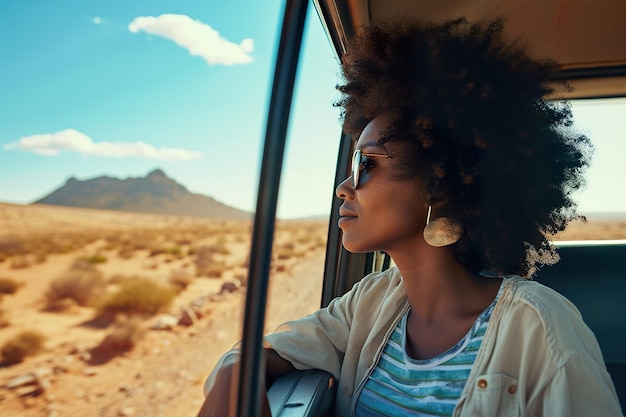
(384, 213)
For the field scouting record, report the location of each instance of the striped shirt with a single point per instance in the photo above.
(402, 386)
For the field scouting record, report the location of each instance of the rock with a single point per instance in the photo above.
(125, 389)
(198, 311)
(52, 410)
(230, 286)
(29, 391)
(90, 372)
(216, 297)
(199, 302)
(126, 411)
(165, 322)
(44, 383)
(243, 279)
(188, 317)
(42, 372)
(21, 380)
(59, 369)
(29, 401)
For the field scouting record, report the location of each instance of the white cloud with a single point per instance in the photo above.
(70, 140)
(198, 38)
(97, 20)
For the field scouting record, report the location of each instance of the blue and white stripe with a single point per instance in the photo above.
(402, 386)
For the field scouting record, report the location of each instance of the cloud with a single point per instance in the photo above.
(198, 38)
(70, 140)
(97, 20)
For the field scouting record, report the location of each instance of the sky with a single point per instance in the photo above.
(120, 88)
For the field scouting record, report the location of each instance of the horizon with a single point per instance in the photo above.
(594, 215)
(120, 89)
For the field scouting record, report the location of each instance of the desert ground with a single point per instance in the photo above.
(63, 277)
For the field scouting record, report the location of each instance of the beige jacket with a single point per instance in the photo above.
(537, 358)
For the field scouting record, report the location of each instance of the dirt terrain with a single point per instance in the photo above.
(161, 375)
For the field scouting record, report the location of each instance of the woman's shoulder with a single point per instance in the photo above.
(389, 277)
(545, 300)
(537, 308)
(378, 287)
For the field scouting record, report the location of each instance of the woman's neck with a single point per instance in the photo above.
(439, 287)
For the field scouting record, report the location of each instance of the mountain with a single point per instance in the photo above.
(155, 193)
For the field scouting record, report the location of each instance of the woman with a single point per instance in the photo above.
(461, 173)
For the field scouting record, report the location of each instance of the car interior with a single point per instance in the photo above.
(587, 40)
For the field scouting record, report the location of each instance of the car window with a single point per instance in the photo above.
(136, 128)
(602, 198)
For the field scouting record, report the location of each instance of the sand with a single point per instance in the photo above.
(162, 375)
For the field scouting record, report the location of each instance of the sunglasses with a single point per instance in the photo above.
(358, 160)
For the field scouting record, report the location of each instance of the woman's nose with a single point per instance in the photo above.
(344, 188)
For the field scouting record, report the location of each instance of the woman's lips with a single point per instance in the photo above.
(345, 219)
(345, 215)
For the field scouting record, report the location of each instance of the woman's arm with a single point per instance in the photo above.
(221, 397)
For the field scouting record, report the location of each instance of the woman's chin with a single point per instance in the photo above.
(355, 247)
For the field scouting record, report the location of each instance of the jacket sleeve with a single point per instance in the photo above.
(581, 387)
(579, 384)
(318, 341)
(229, 357)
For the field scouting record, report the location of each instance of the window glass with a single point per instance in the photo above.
(602, 200)
(136, 128)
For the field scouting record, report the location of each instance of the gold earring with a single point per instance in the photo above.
(441, 231)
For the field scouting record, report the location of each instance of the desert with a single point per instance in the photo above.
(127, 312)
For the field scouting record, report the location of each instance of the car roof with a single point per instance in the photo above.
(586, 38)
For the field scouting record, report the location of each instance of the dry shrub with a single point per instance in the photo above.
(11, 245)
(184, 240)
(123, 336)
(206, 265)
(137, 296)
(95, 259)
(160, 250)
(176, 251)
(82, 283)
(130, 242)
(23, 261)
(180, 279)
(215, 270)
(9, 286)
(26, 343)
(287, 251)
(125, 253)
(319, 243)
(221, 248)
(241, 237)
(217, 248)
(4, 321)
(41, 245)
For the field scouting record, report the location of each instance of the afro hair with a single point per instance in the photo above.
(477, 130)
